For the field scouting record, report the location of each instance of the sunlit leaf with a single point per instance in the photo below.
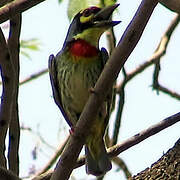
(60, 1)
(29, 45)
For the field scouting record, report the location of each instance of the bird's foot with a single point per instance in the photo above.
(92, 90)
(71, 131)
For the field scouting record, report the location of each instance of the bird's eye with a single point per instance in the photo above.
(87, 12)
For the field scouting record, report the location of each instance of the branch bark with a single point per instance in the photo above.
(119, 148)
(11, 9)
(159, 52)
(167, 167)
(173, 5)
(14, 127)
(7, 72)
(119, 56)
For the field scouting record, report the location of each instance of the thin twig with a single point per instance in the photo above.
(119, 148)
(164, 42)
(34, 76)
(118, 116)
(141, 136)
(169, 92)
(54, 158)
(160, 51)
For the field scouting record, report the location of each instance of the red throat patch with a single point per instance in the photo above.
(82, 48)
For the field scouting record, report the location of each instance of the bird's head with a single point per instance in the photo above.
(89, 24)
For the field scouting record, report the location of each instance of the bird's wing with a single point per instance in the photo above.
(104, 55)
(55, 87)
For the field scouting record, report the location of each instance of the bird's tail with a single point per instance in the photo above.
(97, 161)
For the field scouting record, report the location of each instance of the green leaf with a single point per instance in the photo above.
(29, 45)
(60, 1)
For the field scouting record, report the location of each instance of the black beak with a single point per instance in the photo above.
(103, 17)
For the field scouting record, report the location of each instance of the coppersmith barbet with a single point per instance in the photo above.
(75, 70)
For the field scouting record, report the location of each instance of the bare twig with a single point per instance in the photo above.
(54, 158)
(119, 148)
(14, 127)
(160, 51)
(11, 9)
(105, 82)
(111, 40)
(152, 130)
(164, 42)
(34, 76)
(118, 116)
(168, 92)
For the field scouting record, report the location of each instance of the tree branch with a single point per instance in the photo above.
(14, 127)
(159, 52)
(152, 130)
(119, 148)
(53, 159)
(118, 116)
(34, 76)
(11, 9)
(7, 175)
(7, 74)
(106, 80)
(167, 167)
(173, 5)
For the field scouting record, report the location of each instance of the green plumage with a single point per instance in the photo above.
(73, 73)
(72, 84)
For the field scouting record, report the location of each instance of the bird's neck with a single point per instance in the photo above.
(82, 48)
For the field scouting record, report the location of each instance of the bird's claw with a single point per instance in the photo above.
(71, 131)
(92, 90)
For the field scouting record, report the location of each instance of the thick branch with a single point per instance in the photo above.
(173, 5)
(106, 80)
(11, 9)
(152, 130)
(167, 167)
(7, 72)
(7, 175)
(14, 127)
(119, 148)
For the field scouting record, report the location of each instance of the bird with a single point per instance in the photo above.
(74, 72)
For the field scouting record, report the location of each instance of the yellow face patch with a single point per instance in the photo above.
(84, 19)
